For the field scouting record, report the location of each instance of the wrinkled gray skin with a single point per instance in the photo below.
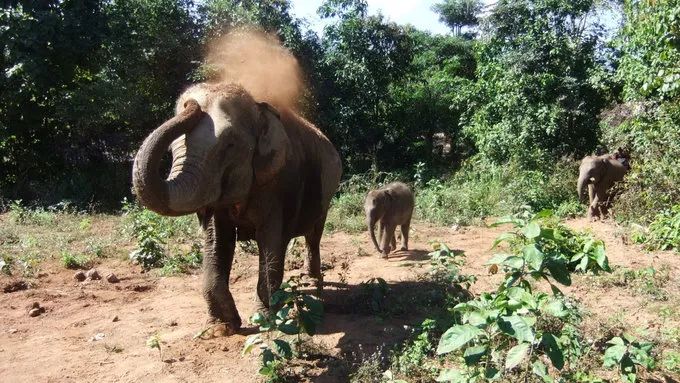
(599, 174)
(391, 205)
(249, 172)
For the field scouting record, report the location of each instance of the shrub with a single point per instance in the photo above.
(74, 261)
(664, 231)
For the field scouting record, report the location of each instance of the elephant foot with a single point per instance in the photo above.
(404, 248)
(385, 256)
(216, 328)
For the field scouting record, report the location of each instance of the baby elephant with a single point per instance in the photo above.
(392, 205)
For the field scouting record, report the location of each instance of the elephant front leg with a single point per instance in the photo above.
(388, 241)
(272, 250)
(219, 254)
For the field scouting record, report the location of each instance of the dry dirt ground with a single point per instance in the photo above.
(77, 339)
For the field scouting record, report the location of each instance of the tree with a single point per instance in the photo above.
(363, 55)
(536, 99)
(459, 13)
(87, 80)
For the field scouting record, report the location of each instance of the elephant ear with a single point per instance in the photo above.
(272, 144)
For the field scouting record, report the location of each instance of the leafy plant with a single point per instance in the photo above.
(183, 263)
(664, 231)
(628, 355)
(298, 314)
(511, 329)
(74, 261)
(154, 341)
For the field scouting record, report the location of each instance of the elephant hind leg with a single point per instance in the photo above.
(404, 234)
(313, 260)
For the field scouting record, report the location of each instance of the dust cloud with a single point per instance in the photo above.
(258, 62)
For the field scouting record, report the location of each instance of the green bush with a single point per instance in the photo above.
(481, 189)
(664, 231)
(152, 232)
(74, 261)
(653, 134)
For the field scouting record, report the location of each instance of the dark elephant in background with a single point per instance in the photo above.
(249, 171)
(599, 174)
(390, 205)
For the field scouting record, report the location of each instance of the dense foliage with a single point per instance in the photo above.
(520, 85)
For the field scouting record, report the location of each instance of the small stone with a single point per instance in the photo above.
(35, 305)
(79, 276)
(172, 322)
(93, 275)
(115, 319)
(12, 331)
(35, 312)
(112, 278)
(98, 336)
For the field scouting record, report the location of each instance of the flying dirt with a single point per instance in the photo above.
(260, 63)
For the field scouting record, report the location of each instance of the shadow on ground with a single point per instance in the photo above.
(375, 317)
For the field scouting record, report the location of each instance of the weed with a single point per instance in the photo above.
(6, 264)
(369, 369)
(670, 361)
(646, 281)
(154, 341)
(248, 247)
(183, 263)
(664, 231)
(299, 314)
(22, 215)
(628, 355)
(410, 361)
(74, 261)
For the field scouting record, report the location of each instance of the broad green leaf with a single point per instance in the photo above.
(601, 257)
(553, 350)
(267, 356)
(257, 318)
(505, 237)
(452, 375)
(250, 343)
(539, 369)
(516, 355)
(289, 328)
(520, 297)
(492, 373)
(514, 262)
(614, 354)
(517, 327)
(532, 230)
(555, 307)
(498, 259)
(559, 272)
(457, 337)
(533, 256)
(545, 213)
(472, 355)
(283, 348)
(278, 297)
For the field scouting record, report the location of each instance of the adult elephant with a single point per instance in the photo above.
(600, 173)
(249, 172)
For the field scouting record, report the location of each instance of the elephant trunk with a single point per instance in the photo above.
(155, 193)
(583, 181)
(371, 229)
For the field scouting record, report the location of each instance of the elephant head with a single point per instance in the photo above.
(376, 204)
(222, 143)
